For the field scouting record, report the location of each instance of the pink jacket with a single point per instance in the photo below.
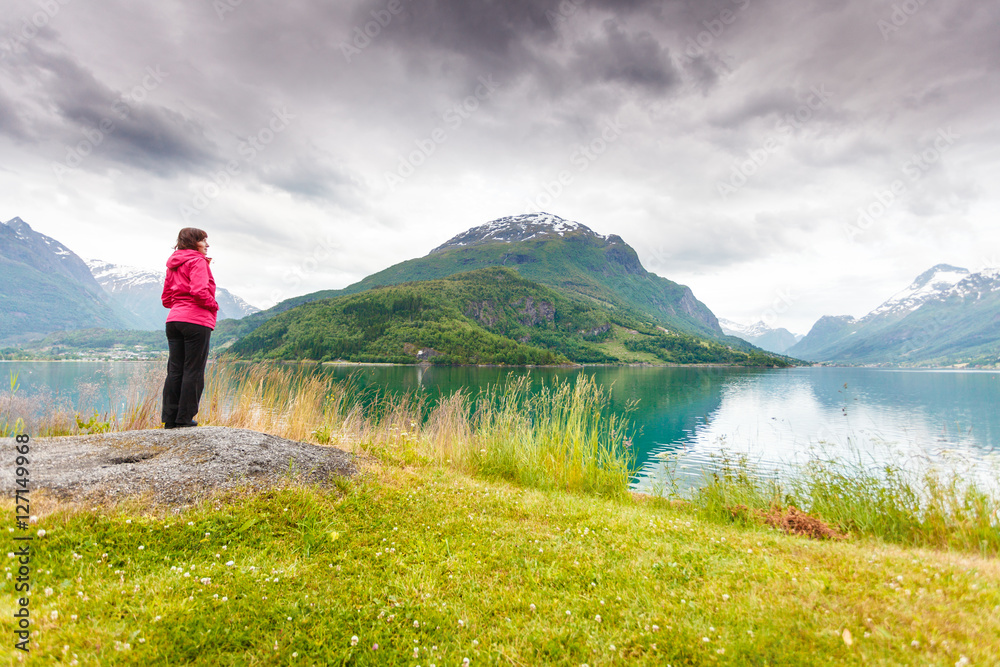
(189, 289)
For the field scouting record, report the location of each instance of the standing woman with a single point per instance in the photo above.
(189, 293)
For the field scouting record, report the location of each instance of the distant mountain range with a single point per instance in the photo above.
(563, 293)
(759, 334)
(948, 316)
(45, 287)
(138, 292)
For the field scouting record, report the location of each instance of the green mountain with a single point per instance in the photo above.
(947, 316)
(45, 287)
(485, 316)
(549, 250)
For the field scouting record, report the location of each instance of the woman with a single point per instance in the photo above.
(189, 293)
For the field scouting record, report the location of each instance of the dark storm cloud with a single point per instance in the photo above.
(311, 177)
(636, 60)
(10, 119)
(520, 37)
(118, 126)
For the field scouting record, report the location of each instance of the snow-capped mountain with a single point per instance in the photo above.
(139, 291)
(517, 228)
(556, 252)
(948, 315)
(759, 334)
(930, 284)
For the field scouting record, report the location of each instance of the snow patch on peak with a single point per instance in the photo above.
(516, 228)
(119, 278)
(931, 284)
(732, 328)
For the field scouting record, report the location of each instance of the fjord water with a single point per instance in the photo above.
(684, 417)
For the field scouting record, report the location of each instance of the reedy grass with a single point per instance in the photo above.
(926, 507)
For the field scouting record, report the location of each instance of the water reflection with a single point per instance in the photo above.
(776, 417)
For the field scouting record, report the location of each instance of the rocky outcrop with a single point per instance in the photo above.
(174, 467)
(530, 313)
(483, 312)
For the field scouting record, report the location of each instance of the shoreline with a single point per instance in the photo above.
(372, 364)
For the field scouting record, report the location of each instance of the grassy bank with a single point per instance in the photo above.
(498, 527)
(564, 437)
(427, 565)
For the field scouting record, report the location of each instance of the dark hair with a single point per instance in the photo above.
(189, 237)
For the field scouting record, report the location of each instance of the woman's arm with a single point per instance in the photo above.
(201, 288)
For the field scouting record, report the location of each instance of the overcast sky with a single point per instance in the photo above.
(732, 143)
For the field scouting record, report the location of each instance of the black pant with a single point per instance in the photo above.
(188, 345)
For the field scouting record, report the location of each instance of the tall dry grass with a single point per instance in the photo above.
(563, 436)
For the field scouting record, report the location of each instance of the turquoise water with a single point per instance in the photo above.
(776, 417)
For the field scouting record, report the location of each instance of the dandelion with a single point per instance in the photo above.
(354, 639)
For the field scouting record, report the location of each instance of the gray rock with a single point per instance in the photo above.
(174, 466)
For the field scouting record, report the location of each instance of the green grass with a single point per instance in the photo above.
(431, 559)
(476, 525)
